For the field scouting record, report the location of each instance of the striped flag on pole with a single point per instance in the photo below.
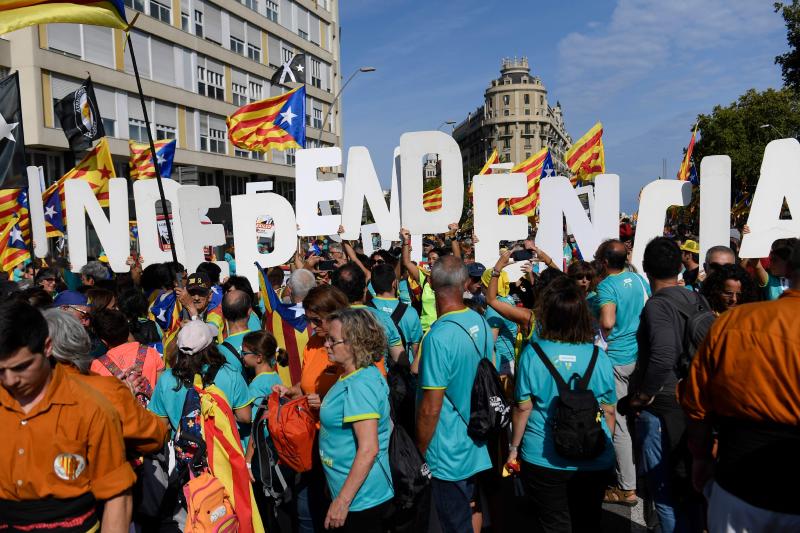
(141, 164)
(586, 158)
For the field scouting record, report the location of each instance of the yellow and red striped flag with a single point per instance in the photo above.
(141, 164)
(531, 167)
(13, 250)
(683, 173)
(432, 199)
(586, 158)
(14, 208)
(276, 123)
(494, 158)
(96, 168)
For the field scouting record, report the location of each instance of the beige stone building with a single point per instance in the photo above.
(516, 118)
(199, 61)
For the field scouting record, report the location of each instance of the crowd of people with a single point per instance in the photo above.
(674, 388)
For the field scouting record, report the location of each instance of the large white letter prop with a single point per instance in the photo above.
(194, 202)
(367, 231)
(413, 147)
(656, 197)
(145, 194)
(361, 182)
(36, 210)
(715, 203)
(558, 200)
(112, 232)
(245, 209)
(491, 228)
(310, 192)
(780, 178)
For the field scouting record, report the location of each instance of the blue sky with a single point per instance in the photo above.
(645, 68)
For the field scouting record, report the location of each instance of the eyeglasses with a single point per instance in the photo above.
(714, 266)
(330, 341)
(316, 321)
(245, 353)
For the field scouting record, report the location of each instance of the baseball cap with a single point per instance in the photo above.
(195, 336)
(691, 247)
(198, 280)
(475, 270)
(70, 298)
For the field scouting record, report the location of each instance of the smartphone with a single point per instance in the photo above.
(326, 265)
(522, 255)
(179, 280)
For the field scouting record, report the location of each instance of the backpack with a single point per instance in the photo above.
(208, 506)
(396, 316)
(410, 472)
(576, 428)
(292, 428)
(188, 442)
(699, 318)
(489, 410)
(145, 390)
(273, 476)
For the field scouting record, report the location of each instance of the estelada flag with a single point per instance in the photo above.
(685, 171)
(586, 158)
(96, 168)
(80, 117)
(12, 140)
(532, 168)
(13, 250)
(289, 326)
(14, 208)
(16, 14)
(277, 123)
(141, 164)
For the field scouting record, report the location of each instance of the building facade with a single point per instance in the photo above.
(516, 119)
(199, 61)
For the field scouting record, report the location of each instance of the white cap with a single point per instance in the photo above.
(195, 336)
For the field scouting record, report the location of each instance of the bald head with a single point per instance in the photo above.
(236, 306)
(615, 255)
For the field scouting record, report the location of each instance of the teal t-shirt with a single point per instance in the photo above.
(774, 287)
(234, 340)
(360, 395)
(168, 402)
(409, 323)
(629, 292)
(504, 347)
(450, 362)
(534, 383)
(403, 292)
(392, 336)
(259, 388)
(253, 322)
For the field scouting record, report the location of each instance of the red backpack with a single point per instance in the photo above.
(292, 428)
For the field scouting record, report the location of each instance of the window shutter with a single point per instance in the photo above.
(203, 124)
(135, 108)
(188, 71)
(213, 23)
(237, 28)
(216, 123)
(254, 36)
(63, 86)
(141, 43)
(106, 101)
(213, 66)
(198, 5)
(295, 10)
(164, 62)
(98, 45)
(166, 115)
(238, 77)
(302, 19)
(313, 26)
(285, 13)
(191, 139)
(275, 58)
(65, 38)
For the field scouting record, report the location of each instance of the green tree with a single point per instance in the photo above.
(790, 61)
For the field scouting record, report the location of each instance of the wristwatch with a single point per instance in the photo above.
(512, 448)
(495, 273)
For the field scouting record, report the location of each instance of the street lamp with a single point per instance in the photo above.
(448, 123)
(763, 126)
(338, 94)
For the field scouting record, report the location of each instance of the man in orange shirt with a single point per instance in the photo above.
(744, 381)
(64, 451)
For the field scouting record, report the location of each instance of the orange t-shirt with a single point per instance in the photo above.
(124, 356)
(320, 373)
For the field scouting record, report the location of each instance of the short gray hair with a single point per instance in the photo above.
(719, 250)
(94, 269)
(300, 282)
(449, 271)
(69, 340)
(334, 247)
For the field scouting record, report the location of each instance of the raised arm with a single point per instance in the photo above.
(405, 239)
(452, 230)
(352, 256)
(520, 315)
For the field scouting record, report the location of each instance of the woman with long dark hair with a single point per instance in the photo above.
(727, 287)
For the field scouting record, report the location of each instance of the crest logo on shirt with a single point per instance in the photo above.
(627, 282)
(69, 466)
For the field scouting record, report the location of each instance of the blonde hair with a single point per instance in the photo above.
(364, 335)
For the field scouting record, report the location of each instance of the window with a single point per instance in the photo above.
(506, 144)
(110, 125)
(251, 4)
(287, 55)
(198, 23)
(241, 153)
(165, 132)
(137, 130)
(527, 99)
(237, 45)
(527, 111)
(272, 10)
(210, 83)
(213, 141)
(527, 155)
(302, 34)
(239, 94)
(138, 5)
(506, 99)
(160, 11)
(185, 21)
(290, 156)
(505, 112)
(254, 52)
(255, 91)
(541, 99)
(318, 118)
(316, 67)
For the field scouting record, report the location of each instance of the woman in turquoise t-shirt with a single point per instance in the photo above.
(355, 426)
(568, 494)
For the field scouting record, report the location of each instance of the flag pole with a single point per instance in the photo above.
(153, 155)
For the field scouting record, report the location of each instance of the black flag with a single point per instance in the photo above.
(293, 71)
(12, 140)
(80, 117)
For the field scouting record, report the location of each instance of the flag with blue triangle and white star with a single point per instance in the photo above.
(12, 140)
(277, 123)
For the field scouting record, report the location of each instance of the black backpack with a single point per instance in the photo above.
(396, 316)
(576, 428)
(410, 472)
(699, 318)
(489, 411)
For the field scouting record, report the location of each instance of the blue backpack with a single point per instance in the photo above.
(189, 444)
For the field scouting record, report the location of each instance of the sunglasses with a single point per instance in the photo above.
(316, 321)
(330, 341)
(245, 353)
(197, 292)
